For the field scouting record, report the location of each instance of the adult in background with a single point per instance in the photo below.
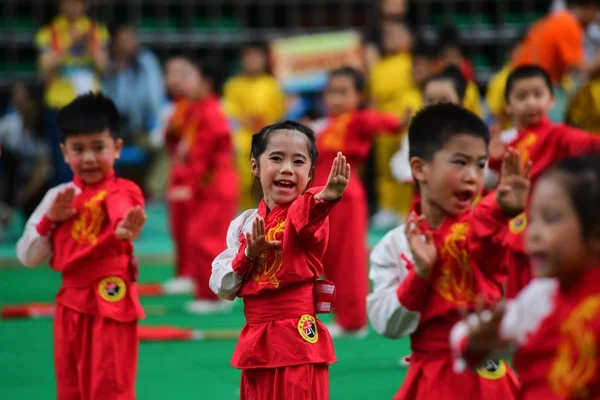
(134, 81)
(72, 58)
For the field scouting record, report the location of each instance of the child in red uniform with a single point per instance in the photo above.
(554, 322)
(85, 227)
(350, 130)
(272, 262)
(209, 182)
(436, 265)
(528, 99)
(176, 70)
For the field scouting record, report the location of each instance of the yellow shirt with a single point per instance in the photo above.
(495, 96)
(472, 99)
(76, 74)
(260, 97)
(389, 80)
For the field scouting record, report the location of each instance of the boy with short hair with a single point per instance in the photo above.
(424, 273)
(85, 228)
(529, 97)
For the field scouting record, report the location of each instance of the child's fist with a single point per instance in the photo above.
(131, 226)
(62, 207)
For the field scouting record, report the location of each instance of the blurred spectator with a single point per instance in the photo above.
(25, 158)
(389, 80)
(495, 91)
(135, 83)
(450, 52)
(73, 56)
(556, 42)
(374, 46)
(252, 100)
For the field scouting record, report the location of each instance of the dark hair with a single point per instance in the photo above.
(433, 126)
(212, 71)
(255, 45)
(360, 83)
(422, 49)
(526, 72)
(581, 178)
(453, 74)
(87, 114)
(260, 140)
(572, 3)
(449, 37)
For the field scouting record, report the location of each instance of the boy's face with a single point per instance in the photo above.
(396, 38)
(454, 177)
(175, 70)
(440, 91)
(254, 61)
(341, 95)
(72, 9)
(529, 101)
(555, 243)
(393, 8)
(422, 68)
(91, 156)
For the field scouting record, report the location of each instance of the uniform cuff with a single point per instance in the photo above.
(412, 291)
(241, 262)
(45, 226)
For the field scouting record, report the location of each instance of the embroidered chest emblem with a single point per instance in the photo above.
(334, 136)
(455, 282)
(574, 365)
(270, 262)
(524, 147)
(87, 227)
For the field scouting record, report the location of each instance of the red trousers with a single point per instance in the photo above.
(179, 221)
(298, 382)
(95, 358)
(345, 260)
(206, 236)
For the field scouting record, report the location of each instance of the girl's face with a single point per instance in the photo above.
(440, 91)
(284, 168)
(341, 95)
(555, 241)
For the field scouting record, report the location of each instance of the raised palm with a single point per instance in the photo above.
(422, 245)
(338, 179)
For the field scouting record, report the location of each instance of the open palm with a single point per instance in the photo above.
(514, 183)
(421, 245)
(338, 179)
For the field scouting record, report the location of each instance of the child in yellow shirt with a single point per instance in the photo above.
(390, 80)
(252, 99)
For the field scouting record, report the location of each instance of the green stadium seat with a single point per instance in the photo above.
(201, 25)
(19, 24)
(158, 25)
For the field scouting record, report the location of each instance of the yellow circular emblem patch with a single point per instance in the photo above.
(307, 327)
(112, 289)
(492, 369)
(518, 223)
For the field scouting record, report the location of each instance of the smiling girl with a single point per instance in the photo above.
(272, 261)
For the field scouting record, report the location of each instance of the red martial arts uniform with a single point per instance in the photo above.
(283, 350)
(469, 249)
(209, 169)
(556, 330)
(178, 136)
(543, 145)
(97, 307)
(345, 260)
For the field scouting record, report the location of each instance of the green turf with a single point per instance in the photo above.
(366, 369)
